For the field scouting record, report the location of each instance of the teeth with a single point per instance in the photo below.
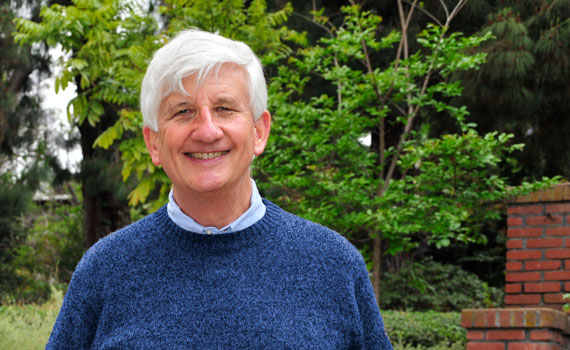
(200, 155)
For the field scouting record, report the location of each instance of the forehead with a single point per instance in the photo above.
(227, 79)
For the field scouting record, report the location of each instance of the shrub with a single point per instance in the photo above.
(433, 286)
(53, 247)
(425, 330)
(15, 199)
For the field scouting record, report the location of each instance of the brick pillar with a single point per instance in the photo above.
(516, 329)
(538, 249)
(537, 276)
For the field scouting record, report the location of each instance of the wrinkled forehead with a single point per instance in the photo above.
(179, 83)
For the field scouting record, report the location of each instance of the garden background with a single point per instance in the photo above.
(403, 125)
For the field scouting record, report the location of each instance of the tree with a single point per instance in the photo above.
(102, 41)
(26, 158)
(408, 185)
(523, 87)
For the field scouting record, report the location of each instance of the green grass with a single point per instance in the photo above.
(28, 327)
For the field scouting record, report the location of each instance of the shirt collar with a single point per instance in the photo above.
(251, 216)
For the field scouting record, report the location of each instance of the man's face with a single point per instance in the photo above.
(206, 140)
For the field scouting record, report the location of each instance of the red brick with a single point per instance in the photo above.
(485, 346)
(567, 264)
(505, 321)
(475, 335)
(514, 221)
(558, 254)
(558, 208)
(524, 255)
(515, 243)
(522, 299)
(513, 288)
(492, 320)
(544, 220)
(514, 266)
(511, 334)
(554, 298)
(524, 232)
(542, 287)
(518, 318)
(543, 265)
(544, 243)
(550, 318)
(540, 334)
(480, 319)
(525, 209)
(467, 318)
(558, 231)
(523, 276)
(530, 346)
(557, 275)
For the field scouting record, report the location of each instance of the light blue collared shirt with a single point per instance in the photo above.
(251, 216)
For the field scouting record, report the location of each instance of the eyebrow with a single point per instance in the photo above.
(177, 105)
(226, 99)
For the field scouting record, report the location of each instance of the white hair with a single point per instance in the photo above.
(197, 52)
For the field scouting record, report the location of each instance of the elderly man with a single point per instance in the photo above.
(218, 267)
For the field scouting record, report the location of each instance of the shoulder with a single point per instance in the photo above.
(128, 240)
(313, 238)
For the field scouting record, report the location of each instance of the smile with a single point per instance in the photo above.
(204, 155)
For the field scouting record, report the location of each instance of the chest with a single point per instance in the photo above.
(227, 304)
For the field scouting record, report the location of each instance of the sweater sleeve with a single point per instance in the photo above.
(373, 332)
(76, 324)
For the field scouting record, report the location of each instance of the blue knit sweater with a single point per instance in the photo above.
(283, 283)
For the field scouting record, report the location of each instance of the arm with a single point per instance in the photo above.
(373, 333)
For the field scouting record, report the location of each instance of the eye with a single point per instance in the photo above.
(222, 109)
(182, 111)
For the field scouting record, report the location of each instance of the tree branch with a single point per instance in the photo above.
(425, 13)
(414, 109)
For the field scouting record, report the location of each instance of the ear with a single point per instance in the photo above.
(262, 128)
(151, 141)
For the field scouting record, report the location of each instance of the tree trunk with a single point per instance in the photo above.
(103, 209)
(377, 268)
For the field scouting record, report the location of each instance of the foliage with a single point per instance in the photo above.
(15, 200)
(20, 112)
(26, 145)
(523, 87)
(408, 185)
(104, 45)
(429, 285)
(28, 326)
(425, 330)
(47, 254)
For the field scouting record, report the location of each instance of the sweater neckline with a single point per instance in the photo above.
(256, 231)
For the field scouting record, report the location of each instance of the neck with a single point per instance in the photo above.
(215, 209)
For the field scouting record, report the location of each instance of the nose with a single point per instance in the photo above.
(206, 130)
